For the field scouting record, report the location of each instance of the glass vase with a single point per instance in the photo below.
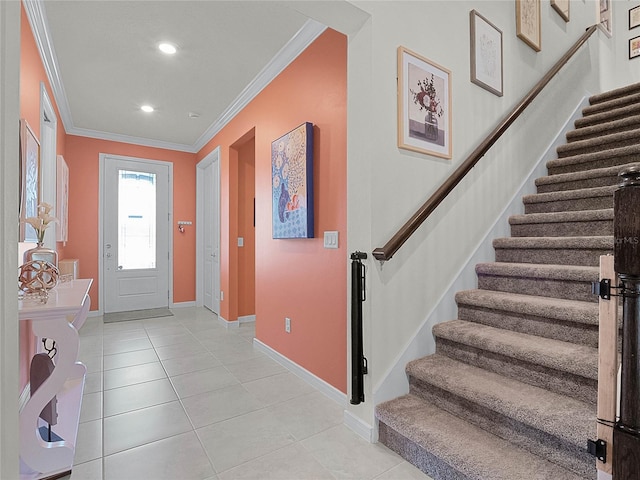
(40, 252)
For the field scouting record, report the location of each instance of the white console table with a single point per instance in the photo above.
(59, 319)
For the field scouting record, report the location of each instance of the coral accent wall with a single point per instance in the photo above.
(297, 278)
(82, 156)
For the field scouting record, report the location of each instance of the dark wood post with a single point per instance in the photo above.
(626, 228)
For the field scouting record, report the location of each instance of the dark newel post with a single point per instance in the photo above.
(626, 227)
(358, 362)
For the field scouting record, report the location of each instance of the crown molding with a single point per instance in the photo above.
(118, 137)
(294, 47)
(287, 54)
(40, 28)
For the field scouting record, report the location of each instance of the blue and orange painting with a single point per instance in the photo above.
(292, 183)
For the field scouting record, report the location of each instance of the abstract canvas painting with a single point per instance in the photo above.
(292, 183)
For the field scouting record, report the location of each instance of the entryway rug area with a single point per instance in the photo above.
(137, 315)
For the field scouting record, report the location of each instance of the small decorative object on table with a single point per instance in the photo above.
(40, 225)
(37, 277)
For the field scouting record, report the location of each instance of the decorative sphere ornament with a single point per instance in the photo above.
(37, 275)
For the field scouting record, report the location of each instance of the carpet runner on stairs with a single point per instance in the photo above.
(510, 393)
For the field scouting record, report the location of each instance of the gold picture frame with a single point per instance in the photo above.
(528, 27)
(424, 105)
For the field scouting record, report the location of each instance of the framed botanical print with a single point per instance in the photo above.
(424, 105)
(486, 54)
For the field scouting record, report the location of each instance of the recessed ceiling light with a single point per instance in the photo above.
(146, 108)
(167, 48)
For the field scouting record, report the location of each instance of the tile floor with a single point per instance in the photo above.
(184, 398)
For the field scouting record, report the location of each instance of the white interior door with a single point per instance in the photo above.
(209, 225)
(135, 234)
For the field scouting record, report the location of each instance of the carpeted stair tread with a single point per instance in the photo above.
(605, 158)
(579, 360)
(586, 178)
(624, 124)
(615, 93)
(611, 104)
(562, 217)
(544, 271)
(551, 308)
(441, 443)
(570, 195)
(557, 415)
(556, 243)
(608, 116)
(599, 143)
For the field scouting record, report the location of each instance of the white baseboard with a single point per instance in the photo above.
(604, 475)
(360, 427)
(182, 305)
(323, 387)
(247, 319)
(227, 324)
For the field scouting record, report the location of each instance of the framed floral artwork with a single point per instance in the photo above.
(424, 105)
(29, 180)
(634, 17)
(486, 54)
(528, 23)
(292, 183)
(634, 47)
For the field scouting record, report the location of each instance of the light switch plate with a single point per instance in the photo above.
(330, 239)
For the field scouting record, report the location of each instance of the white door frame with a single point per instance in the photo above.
(212, 158)
(9, 116)
(103, 159)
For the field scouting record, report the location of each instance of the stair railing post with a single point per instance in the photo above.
(626, 228)
(358, 295)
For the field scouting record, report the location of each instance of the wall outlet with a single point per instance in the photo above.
(287, 325)
(221, 295)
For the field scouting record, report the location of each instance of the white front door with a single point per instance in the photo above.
(135, 251)
(209, 223)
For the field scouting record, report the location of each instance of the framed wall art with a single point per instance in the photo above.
(424, 105)
(634, 17)
(292, 183)
(528, 23)
(634, 48)
(562, 8)
(486, 54)
(604, 16)
(29, 180)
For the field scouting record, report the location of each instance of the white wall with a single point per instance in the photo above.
(9, 114)
(386, 184)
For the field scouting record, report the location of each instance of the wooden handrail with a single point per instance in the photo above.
(386, 253)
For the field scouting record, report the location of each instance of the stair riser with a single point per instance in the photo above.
(574, 386)
(586, 257)
(605, 181)
(570, 456)
(570, 205)
(569, 150)
(620, 126)
(578, 333)
(613, 161)
(566, 229)
(417, 455)
(611, 104)
(555, 288)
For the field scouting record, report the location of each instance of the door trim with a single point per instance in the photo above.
(212, 158)
(103, 159)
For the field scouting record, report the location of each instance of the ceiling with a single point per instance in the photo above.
(103, 63)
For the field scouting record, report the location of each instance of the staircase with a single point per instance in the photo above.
(510, 393)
